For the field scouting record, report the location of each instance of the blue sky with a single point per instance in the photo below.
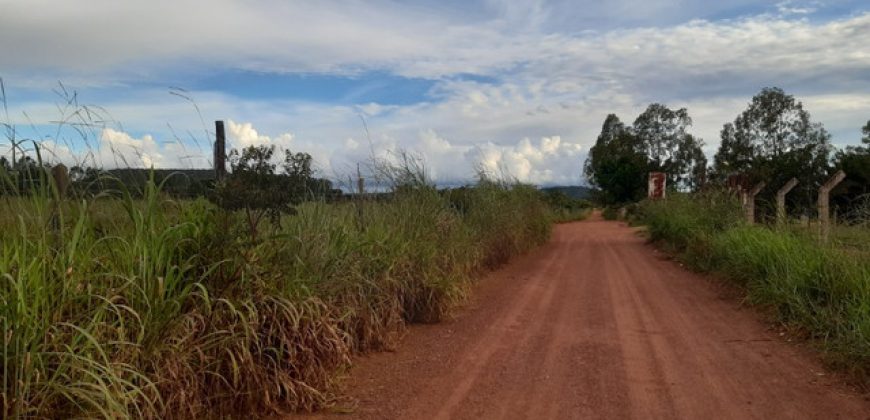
(515, 86)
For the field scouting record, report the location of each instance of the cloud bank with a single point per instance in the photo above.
(523, 87)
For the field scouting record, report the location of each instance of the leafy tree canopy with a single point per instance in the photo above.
(773, 140)
(855, 162)
(774, 125)
(254, 186)
(617, 165)
(669, 147)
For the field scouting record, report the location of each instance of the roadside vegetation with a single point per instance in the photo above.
(821, 291)
(138, 305)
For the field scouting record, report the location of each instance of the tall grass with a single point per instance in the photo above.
(122, 307)
(820, 289)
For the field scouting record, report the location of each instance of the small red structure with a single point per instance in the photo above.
(657, 184)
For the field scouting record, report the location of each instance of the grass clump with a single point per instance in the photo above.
(819, 289)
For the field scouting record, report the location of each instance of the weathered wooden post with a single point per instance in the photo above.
(60, 175)
(220, 151)
(60, 179)
(780, 200)
(360, 182)
(358, 200)
(824, 204)
(749, 204)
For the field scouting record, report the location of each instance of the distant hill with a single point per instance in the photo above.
(573, 191)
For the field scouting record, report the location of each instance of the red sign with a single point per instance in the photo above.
(657, 184)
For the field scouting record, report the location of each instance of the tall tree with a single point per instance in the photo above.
(773, 140)
(855, 162)
(865, 130)
(669, 146)
(300, 180)
(617, 165)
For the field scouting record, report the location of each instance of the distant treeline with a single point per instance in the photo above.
(28, 175)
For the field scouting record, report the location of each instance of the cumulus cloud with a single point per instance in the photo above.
(548, 160)
(118, 149)
(792, 7)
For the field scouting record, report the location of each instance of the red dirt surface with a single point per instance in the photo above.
(597, 324)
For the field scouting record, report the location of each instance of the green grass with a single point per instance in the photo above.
(153, 308)
(820, 289)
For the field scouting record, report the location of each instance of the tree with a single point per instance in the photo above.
(774, 124)
(297, 165)
(297, 168)
(658, 140)
(254, 188)
(855, 162)
(669, 146)
(774, 140)
(865, 130)
(617, 165)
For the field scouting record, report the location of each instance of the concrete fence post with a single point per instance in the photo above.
(824, 204)
(780, 200)
(749, 201)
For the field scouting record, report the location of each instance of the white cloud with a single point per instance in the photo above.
(118, 149)
(346, 37)
(792, 7)
(244, 135)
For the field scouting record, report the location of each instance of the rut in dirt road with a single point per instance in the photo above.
(597, 325)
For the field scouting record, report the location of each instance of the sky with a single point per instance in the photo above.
(520, 87)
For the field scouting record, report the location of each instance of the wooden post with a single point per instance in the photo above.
(824, 204)
(360, 189)
(360, 182)
(780, 200)
(60, 174)
(220, 151)
(60, 179)
(750, 202)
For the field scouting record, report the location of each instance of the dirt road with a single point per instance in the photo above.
(596, 324)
